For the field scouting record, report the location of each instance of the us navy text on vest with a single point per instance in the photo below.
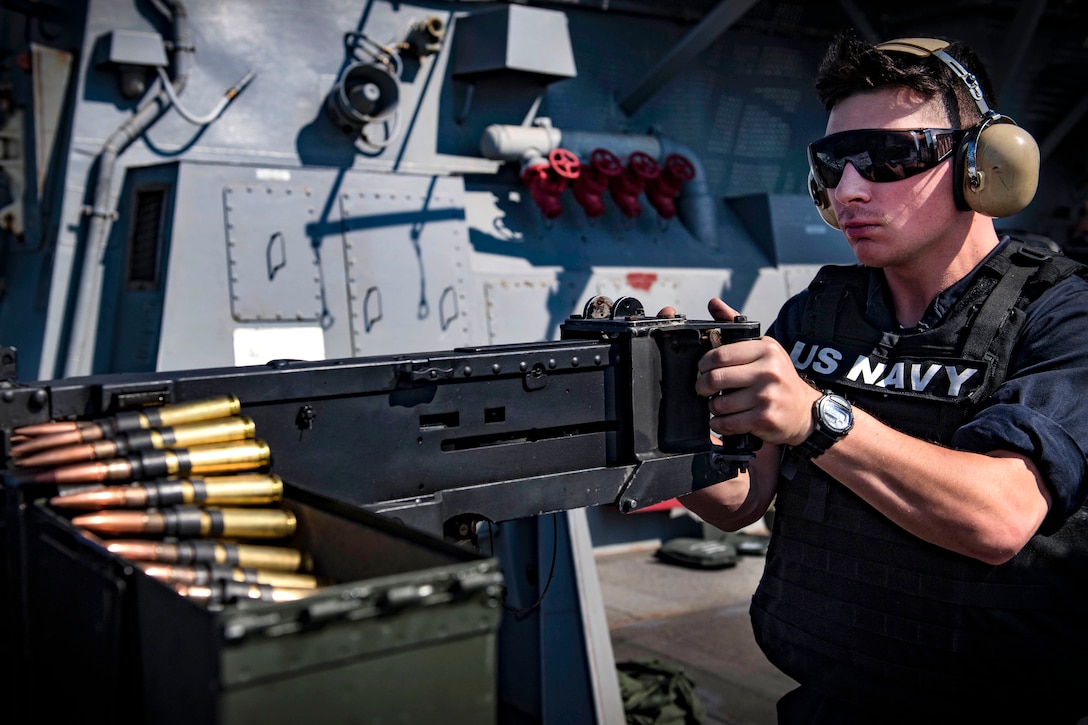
(937, 377)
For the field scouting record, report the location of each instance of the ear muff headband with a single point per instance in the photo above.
(997, 162)
(931, 46)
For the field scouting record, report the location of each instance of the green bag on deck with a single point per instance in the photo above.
(658, 693)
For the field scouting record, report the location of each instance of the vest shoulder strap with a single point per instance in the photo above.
(1024, 273)
(834, 283)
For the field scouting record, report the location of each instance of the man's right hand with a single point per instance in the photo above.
(754, 388)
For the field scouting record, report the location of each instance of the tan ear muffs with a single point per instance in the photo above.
(997, 166)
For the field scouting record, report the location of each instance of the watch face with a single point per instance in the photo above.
(836, 414)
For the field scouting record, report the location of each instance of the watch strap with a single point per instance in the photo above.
(816, 444)
(820, 439)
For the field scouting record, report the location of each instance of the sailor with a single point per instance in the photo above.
(924, 415)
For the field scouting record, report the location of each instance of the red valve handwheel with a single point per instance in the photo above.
(680, 167)
(606, 162)
(565, 163)
(643, 165)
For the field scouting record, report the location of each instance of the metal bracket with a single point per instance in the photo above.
(430, 373)
(536, 378)
(659, 479)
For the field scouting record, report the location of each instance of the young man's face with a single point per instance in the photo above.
(895, 223)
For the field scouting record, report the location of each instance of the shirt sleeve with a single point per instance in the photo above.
(1041, 410)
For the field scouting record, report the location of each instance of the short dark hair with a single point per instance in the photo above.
(852, 66)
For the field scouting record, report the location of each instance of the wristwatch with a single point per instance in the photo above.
(834, 417)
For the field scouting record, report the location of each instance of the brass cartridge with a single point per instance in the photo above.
(209, 551)
(205, 574)
(189, 521)
(240, 490)
(246, 455)
(226, 592)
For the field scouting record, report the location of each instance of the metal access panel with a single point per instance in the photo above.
(253, 270)
(274, 271)
(407, 259)
(541, 297)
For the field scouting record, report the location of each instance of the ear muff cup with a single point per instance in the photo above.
(1006, 163)
(823, 202)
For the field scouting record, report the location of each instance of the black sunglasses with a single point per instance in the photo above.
(880, 155)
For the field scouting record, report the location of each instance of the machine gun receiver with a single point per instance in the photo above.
(656, 360)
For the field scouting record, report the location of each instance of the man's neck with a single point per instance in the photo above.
(913, 287)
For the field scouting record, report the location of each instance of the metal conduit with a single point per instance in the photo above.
(84, 321)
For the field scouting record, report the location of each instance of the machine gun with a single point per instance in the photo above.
(440, 442)
(606, 415)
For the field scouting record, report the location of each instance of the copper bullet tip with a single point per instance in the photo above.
(138, 550)
(60, 456)
(153, 569)
(98, 498)
(45, 442)
(91, 472)
(114, 522)
(40, 429)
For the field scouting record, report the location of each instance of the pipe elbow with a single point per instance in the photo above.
(514, 143)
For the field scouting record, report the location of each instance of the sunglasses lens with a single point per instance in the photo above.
(878, 155)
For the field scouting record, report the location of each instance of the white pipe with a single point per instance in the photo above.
(696, 207)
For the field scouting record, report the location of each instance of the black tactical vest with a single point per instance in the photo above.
(859, 608)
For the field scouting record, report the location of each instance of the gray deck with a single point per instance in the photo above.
(695, 618)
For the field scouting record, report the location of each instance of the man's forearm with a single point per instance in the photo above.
(733, 504)
(983, 506)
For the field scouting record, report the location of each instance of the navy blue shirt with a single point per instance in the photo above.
(1041, 410)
